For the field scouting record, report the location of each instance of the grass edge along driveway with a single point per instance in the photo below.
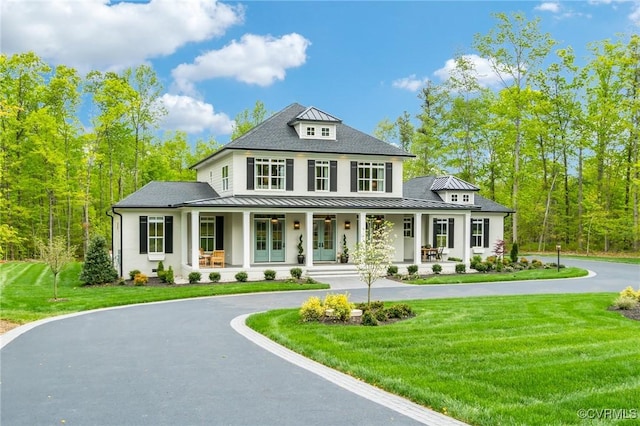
(533, 360)
(26, 290)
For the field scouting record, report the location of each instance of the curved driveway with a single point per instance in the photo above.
(181, 363)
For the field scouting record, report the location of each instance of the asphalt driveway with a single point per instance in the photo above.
(181, 363)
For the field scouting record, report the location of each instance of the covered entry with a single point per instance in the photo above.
(324, 239)
(269, 239)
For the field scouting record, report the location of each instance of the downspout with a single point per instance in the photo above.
(112, 247)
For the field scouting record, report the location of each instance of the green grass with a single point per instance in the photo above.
(615, 257)
(26, 290)
(527, 274)
(512, 360)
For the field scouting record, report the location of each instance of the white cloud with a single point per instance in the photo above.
(193, 116)
(482, 67)
(254, 59)
(96, 34)
(552, 7)
(634, 16)
(411, 83)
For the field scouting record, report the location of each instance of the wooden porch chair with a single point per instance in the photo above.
(217, 258)
(203, 259)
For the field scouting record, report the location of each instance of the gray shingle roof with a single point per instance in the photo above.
(326, 202)
(452, 183)
(275, 134)
(421, 188)
(167, 194)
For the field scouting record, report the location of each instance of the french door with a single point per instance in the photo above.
(324, 239)
(268, 240)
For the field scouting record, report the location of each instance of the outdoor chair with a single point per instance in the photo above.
(217, 258)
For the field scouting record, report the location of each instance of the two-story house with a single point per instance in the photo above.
(302, 172)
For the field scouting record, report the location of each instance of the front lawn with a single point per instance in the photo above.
(524, 275)
(533, 360)
(26, 290)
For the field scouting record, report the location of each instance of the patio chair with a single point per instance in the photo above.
(203, 259)
(217, 258)
(439, 253)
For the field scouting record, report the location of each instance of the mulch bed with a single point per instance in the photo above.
(633, 314)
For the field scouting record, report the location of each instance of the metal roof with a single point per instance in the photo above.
(452, 183)
(314, 114)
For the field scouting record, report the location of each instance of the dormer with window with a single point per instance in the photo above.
(313, 123)
(454, 190)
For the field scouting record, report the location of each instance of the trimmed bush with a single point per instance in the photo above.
(312, 310)
(194, 277)
(514, 253)
(625, 302)
(399, 310)
(168, 276)
(380, 314)
(310, 280)
(269, 274)
(242, 276)
(214, 277)
(133, 273)
(140, 279)
(392, 270)
(369, 319)
(454, 259)
(412, 269)
(461, 268)
(340, 305)
(98, 267)
(481, 267)
(631, 293)
(296, 273)
(436, 268)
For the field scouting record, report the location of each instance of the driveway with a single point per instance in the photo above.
(181, 363)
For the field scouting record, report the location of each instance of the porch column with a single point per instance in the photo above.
(246, 240)
(184, 239)
(417, 238)
(195, 239)
(308, 229)
(466, 238)
(362, 224)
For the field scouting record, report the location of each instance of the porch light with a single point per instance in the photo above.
(327, 219)
(347, 224)
(296, 224)
(274, 220)
(378, 219)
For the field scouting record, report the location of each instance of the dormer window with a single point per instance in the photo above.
(465, 198)
(311, 131)
(454, 198)
(326, 132)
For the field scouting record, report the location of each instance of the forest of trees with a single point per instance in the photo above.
(557, 142)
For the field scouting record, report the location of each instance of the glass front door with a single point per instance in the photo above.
(324, 240)
(268, 240)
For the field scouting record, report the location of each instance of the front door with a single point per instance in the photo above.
(324, 240)
(268, 240)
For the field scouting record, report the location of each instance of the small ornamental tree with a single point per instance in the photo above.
(374, 254)
(56, 254)
(98, 268)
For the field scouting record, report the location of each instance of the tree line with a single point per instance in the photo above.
(556, 141)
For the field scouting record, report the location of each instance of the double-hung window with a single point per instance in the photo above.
(156, 234)
(408, 227)
(270, 173)
(225, 178)
(322, 175)
(442, 232)
(207, 233)
(371, 177)
(477, 232)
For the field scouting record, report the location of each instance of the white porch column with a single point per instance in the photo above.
(184, 240)
(246, 240)
(195, 239)
(362, 224)
(308, 230)
(417, 238)
(466, 242)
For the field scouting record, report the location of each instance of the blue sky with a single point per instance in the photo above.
(361, 61)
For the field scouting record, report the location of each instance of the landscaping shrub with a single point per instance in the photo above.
(481, 267)
(296, 273)
(536, 263)
(380, 314)
(214, 277)
(369, 319)
(340, 305)
(160, 269)
(133, 273)
(310, 280)
(392, 270)
(524, 261)
(269, 275)
(312, 310)
(412, 269)
(98, 267)
(631, 293)
(454, 259)
(461, 268)
(194, 277)
(168, 276)
(140, 279)
(242, 276)
(475, 260)
(514, 253)
(399, 310)
(436, 268)
(121, 281)
(625, 302)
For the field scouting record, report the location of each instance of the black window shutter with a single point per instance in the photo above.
(451, 221)
(311, 175)
(143, 235)
(289, 172)
(433, 236)
(250, 172)
(219, 232)
(354, 176)
(168, 234)
(485, 232)
(388, 177)
(333, 176)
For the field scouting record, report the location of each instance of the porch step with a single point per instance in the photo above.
(333, 271)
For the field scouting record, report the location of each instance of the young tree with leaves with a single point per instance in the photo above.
(56, 254)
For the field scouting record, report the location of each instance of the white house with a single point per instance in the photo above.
(302, 172)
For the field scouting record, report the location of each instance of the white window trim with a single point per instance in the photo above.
(154, 220)
(370, 182)
(444, 225)
(208, 220)
(280, 164)
(480, 222)
(225, 178)
(322, 164)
